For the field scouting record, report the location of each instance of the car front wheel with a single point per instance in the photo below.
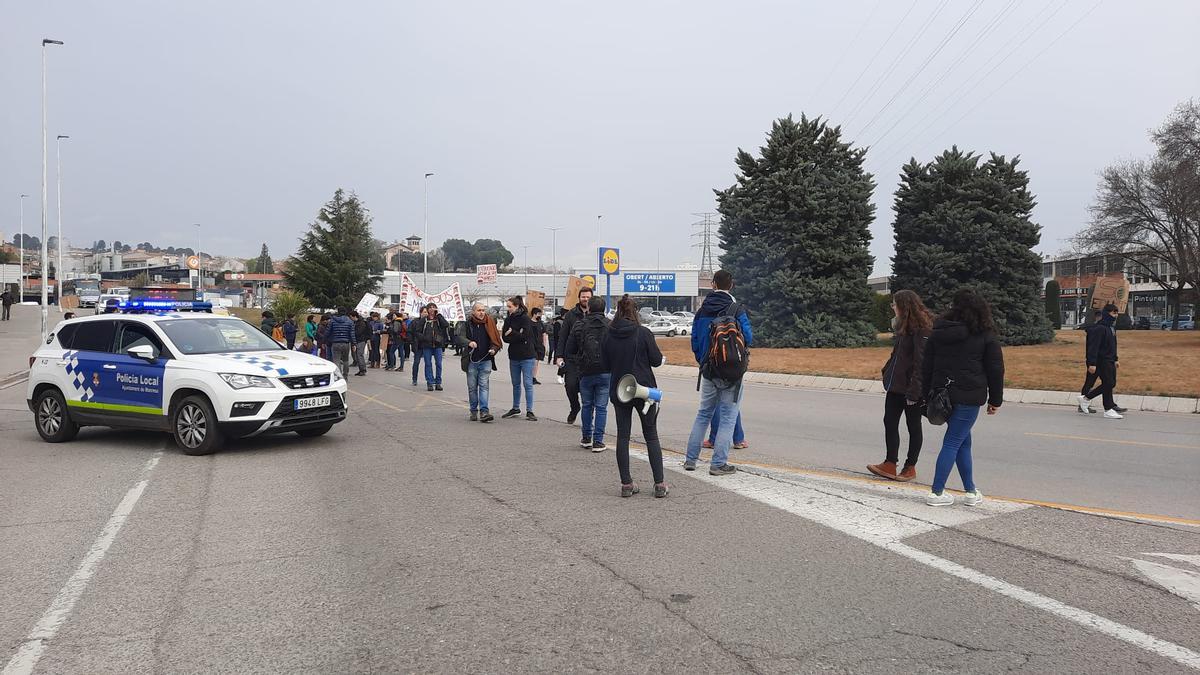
(54, 423)
(194, 426)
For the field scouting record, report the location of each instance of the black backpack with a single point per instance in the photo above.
(591, 349)
(728, 356)
(938, 406)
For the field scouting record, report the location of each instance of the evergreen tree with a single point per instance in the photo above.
(492, 252)
(333, 266)
(962, 223)
(1053, 307)
(262, 264)
(794, 231)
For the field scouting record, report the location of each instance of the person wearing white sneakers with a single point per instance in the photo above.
(964, 356)
(1102, 362)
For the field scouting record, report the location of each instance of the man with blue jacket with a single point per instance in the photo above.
(716, 395)
(341, 340)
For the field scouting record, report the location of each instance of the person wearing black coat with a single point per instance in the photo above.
(902, 384)
(430, 335)
(630, 349)
(362, 336)
(570, 369)
(1102, 362)
(964, 356)
(518, 332)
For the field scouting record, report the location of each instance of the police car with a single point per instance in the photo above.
(174, 366)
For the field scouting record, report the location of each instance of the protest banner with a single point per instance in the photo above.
(485, 274)
(574, 284)
(449, 301)
(535, 299)
(1111, 289)
(367, 304)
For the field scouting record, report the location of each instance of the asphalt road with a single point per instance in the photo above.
(411, 540)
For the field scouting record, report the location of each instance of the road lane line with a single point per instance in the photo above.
(1143, 444)
(864, 522)
(31, 650)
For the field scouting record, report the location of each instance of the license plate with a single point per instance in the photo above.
(312, 402)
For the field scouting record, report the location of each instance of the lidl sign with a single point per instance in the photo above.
(610, 260)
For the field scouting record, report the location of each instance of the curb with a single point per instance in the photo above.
(1166, 404)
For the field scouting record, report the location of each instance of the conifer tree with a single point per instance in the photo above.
(336, 263)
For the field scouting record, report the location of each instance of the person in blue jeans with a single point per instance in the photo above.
(518, 332)
(963, 356)
(479, 337)
(431, 334)
(586, 345)
(739, 434)
(716, 396)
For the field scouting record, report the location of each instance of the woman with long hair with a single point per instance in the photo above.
(518, 332)
(902, 382)
(964, 356)
(631, 350)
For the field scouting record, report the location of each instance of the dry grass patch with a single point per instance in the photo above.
(1161, 363)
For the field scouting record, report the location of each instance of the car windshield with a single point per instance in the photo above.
(216, 336)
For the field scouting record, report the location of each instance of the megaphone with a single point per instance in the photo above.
(628, 390)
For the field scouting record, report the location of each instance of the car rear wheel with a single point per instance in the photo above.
(54, 423)
(314, 432)
(194, 426)
(671, 333)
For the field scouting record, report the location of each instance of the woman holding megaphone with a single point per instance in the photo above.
(630, 350)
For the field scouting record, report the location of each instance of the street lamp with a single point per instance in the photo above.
(527, 247)
(58, 273)
(425, 247)
(554, 262)
(21, 279)
(45, 250)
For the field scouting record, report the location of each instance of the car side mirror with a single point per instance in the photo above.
(143, 352)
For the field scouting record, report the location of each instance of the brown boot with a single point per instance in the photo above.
(885, 469)
(909, 473)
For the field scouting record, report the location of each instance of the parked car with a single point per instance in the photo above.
(684, 325)
(1141, 323)
(663, 327)
(686, 315)
(1185, 323)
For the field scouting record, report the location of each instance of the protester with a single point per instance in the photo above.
(964, 356)
(362, 336)
(739, 434)
(586, 345)
(377, 331)
(323, 337)
(539, 340)
(6, 299)
(412, 345)
(307, 346)
(289, 332)
(404, 349)
(1102, 363)
(630, 349)
(902, 382)
(555, 329)
(341, 340)
(1090, 376)
(717, 392)
(432, 334)
(481, 340)
(268, 326)
(569, 369)
(310, 327)
(68, 316)
(518, 333)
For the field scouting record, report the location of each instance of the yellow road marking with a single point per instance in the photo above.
(1111, 440)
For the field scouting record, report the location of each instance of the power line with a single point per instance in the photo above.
(873, 57)
(896, 61)
(924, 64)
(846, 50)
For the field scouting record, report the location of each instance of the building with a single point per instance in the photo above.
(410, 245)
(1076, 275)
(881, 285)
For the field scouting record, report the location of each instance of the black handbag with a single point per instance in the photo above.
(938, 405)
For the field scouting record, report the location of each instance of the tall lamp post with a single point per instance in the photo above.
(58, 272)
(21, 253)
(425, 244)
(554, 263)
(45, 250)
(527, 247)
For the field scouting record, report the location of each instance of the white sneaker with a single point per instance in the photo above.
(973, 498)
(1085, 406)
(944, 499)
(1113, 415)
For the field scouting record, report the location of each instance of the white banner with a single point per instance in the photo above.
(367, 304)
(485, 274)
(449, 301)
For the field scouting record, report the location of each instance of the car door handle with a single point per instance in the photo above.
(109, 366)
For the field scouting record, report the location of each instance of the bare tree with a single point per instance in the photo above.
(1148, 211)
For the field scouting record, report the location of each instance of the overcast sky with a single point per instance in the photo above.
(246, 116)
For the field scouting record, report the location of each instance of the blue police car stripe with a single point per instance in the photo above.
(261, 362)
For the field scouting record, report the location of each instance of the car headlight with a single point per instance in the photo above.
(246, 381)
(337, 376)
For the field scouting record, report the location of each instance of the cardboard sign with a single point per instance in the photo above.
(449, 301)
(536, 299)
(1113, 290)
(574, 285)
(485, 274)
(367, 304)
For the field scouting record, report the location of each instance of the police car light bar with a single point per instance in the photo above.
(164, 306)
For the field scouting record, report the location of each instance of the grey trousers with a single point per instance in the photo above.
(341, 356)
(360, 356)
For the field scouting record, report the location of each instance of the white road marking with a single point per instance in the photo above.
(31, 650)
(1181, 582)
(850, 510)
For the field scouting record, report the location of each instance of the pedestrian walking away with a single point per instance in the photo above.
(412, 345)
(552, 343)
(539, 340)
(912, 325)
(964, 357)
(6, 299)
(341, 340)
(518, 333)
(289, 332)
(480, 341)
(432, 334)
(570, 369)
(631, 349)
(377, 331)
(586, 345)
(362, 337)
(1102, 364)
(721, 338)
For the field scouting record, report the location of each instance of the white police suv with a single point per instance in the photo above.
(173, 366)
